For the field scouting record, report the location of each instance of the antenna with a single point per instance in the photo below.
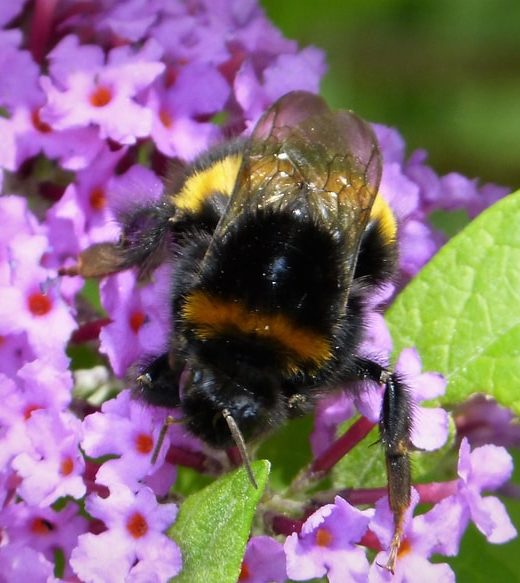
(241, 444)
(168, 422)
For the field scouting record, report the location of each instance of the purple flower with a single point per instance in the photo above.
(133, 546)
(138, 185)
(459, 192)
(129, 20)
(14, 352)
(31, 300)
(8, 149)
(200, 91)
(391, 144)
(9, 10)
(129, 429)
(405, 193)
(40, 313)
(24, 133)
(329, 413)
(430, 424)
(84, 89)
(86, 203)
(19, 563)
(53, 466)
(264, 561)
(19, 224)
(287, 73)
(418, 243)
(484, 468)
(429, 184)
(18, 71)
(420, 540)
(482, 420)
(44, 529)
(39, 386)
(326, 545)
(74, 148)
(377, 341)
(87, 211)
(140, 317)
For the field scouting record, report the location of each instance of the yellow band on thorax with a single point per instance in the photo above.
(382, 212)
(219, 177)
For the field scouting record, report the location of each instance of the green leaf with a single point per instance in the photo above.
(91, 293)
(189, 481)
(288, 450)
(213, 526)
(462, 311)
(450, 223)
(363, 466)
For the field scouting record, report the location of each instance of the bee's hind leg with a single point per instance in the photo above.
(395, 426)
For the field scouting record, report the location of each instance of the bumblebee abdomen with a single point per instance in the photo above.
(275, 277)
(279, 263)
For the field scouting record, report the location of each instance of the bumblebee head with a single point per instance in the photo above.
(211, 400)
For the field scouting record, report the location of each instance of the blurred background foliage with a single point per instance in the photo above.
(446, 73)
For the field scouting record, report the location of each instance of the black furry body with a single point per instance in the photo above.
(277, 263)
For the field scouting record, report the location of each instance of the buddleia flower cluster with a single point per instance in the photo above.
(96, 99)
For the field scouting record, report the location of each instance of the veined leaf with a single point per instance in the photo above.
(213, 526)
(462, 311)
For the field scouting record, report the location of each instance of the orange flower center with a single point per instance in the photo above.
(170, 77)
(39, 304)
(137, 319)
(98, 199)
(101, 96)
(144, 443)
(37, 122)
(29, 410)
(66, 467)
(166, 118)
(405, 548)
(323, 537)
(244, 573)
(137, 525)
(41, 526)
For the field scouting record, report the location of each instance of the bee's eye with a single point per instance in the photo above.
(197, 376)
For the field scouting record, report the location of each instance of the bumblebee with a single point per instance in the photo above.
(278, 240)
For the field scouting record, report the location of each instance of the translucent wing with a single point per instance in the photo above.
(304, 158)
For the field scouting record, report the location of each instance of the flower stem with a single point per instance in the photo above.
(370, 540)
(41, 28)
(327, 460)
(428, 494)
(193, 459)
(89, 331)
(283, 524)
